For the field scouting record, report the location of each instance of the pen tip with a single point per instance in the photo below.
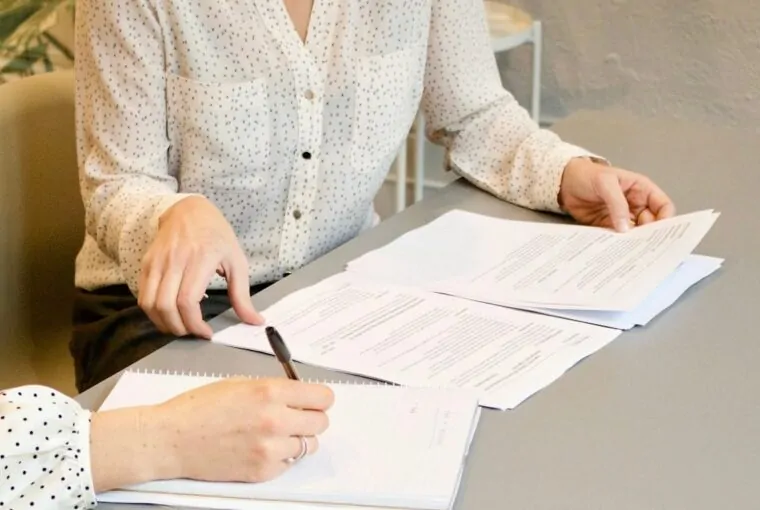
(269, 329)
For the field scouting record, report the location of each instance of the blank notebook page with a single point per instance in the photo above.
(387, 446)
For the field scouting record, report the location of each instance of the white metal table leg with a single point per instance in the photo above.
(419, 158)
(537, 48)
(401, 178)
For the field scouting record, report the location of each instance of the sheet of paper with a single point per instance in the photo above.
(539, 265)
(417, 464)
(694, 269)
(413, 337)
(212, 503)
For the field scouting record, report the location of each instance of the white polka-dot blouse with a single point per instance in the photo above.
(290, 139)
(44, 451)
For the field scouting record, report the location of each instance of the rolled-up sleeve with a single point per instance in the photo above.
(121, 128)
(490, 139)
(44, 450)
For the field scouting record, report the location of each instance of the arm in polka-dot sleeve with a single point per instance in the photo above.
(491, 140)
(121, 127)
(44, 451)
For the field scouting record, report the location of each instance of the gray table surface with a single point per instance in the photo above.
(665, 417)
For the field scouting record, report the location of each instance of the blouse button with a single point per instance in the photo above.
(309, 94)
(297, 214)
(306, 155)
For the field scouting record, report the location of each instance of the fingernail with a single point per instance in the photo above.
(622, 225)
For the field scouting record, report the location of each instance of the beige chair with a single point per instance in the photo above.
(41, 229)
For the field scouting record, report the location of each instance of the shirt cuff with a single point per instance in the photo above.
(83, 437)
(557, 160)
(45, 451)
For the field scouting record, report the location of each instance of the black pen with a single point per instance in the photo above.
(281, 352)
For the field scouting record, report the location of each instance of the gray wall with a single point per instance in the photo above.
(691, 59)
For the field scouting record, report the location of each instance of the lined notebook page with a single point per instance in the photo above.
(387, 446)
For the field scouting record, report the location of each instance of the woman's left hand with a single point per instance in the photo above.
(604, 196)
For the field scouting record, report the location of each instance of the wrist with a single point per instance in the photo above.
(161, 441)
(130, 446)
(181, 205)
(572, 168)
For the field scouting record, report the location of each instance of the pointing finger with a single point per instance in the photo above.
(194, 283)
(150, 279)
(238, 288)
(166, 303)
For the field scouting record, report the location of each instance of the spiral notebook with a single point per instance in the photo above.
(386, 447)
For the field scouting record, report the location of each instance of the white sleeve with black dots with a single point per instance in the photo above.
(44, 451)
(491, 140)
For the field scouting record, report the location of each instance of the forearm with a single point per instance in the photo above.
(122, 144)
(131, 446)
(501, 150)
(491, 140)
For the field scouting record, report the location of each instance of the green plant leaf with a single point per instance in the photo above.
(12, 5)
(42, 20)
(24, 62)
(11, 19)
(24, 37)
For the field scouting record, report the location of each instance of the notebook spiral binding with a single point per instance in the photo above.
(219, 376)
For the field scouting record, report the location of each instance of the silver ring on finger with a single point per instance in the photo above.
(304, 451)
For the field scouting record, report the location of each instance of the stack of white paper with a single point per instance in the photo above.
(583, 273)
(414, 337)
(420, 311)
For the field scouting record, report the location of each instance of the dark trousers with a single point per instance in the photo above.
(111, 332)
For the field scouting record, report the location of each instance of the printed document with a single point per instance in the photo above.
(538, 265)
(412, 337)
(694, 269)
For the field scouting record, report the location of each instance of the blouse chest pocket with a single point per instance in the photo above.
(218, 131)
(388, 92)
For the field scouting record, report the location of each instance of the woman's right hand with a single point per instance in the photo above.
(194, 241)
(241, 430)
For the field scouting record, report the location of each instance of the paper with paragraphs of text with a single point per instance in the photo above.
(533, 265)
(413, 337)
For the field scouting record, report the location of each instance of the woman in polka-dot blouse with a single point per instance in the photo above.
(225, 144)
(56, 455)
